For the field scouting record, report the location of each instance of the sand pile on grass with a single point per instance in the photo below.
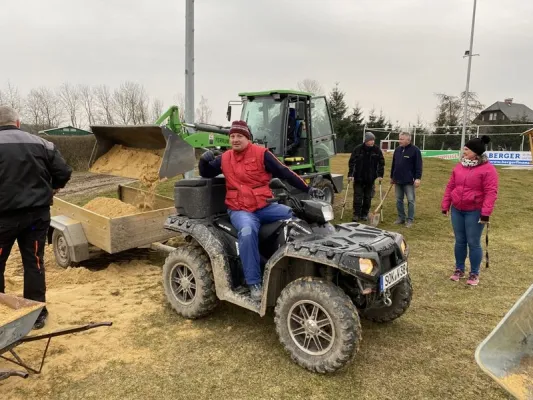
(111, 208)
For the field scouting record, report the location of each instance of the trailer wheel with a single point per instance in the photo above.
(329, 190)
(61, 251)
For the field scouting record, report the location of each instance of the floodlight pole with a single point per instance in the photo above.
(189, 67)
(469, 55)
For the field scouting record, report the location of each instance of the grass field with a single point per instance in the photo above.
(235, 354)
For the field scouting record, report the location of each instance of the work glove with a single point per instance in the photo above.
(208, 156)
(316, 193)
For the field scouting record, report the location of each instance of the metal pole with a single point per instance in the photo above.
(189, 67)
(470, 55)
(364, 132)
(414, 136)
(477, 134)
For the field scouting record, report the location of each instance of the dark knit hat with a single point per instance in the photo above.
(240, 127)
(477, 145)
(369, 136)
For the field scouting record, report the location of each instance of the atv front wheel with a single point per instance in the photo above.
(317, 324)
(401, 296)
(188, 282)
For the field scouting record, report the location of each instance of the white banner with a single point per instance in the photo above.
(509, 157)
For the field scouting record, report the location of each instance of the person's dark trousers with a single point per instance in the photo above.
(29, 229)
(362, 199)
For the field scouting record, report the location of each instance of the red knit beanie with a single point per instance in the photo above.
(240, 127)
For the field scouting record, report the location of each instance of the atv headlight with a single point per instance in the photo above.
(403, 246)
(327, 212)
(366, 266)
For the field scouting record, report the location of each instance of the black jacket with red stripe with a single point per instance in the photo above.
(30, 169)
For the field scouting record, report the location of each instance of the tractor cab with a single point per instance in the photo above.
(295, 126)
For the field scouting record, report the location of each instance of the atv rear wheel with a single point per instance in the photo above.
(329, 190)
(401, 296)
(188, 282)
(317, 324)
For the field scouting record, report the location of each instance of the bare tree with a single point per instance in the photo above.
(120, 105)
(11, 97)
(157, 109)
(87, 100)
(43, 109)
(310, 86)
(70, 98)
(105, 101)
(203, 112)
(32, 110)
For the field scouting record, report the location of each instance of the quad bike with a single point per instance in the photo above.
(321, 278)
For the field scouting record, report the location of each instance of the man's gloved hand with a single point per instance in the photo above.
(207, 156)
(316, 193)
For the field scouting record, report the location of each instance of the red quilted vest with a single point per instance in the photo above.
(246, 179)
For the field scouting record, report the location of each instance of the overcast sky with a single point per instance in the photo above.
(389, 54)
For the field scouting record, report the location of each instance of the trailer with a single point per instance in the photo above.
(78, 234)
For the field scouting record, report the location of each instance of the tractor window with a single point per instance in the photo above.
(321, 130)
(263, 116)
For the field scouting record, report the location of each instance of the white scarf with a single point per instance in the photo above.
(469, 163)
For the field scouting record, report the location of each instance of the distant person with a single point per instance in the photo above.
(406, 173)
(366, 164)
(31, 171)
(471, 192)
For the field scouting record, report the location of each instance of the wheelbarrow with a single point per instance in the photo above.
(17, 323)
(506, 355)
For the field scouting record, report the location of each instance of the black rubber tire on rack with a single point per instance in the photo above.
(185, 266)
(401, 296)
(335, 307)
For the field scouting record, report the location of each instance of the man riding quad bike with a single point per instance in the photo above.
(319, 277)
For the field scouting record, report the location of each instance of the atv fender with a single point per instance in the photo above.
(199, 230)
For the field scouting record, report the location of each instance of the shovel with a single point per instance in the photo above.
(345, 197)
(375, 216)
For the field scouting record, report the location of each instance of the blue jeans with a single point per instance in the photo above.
(409, 191)
(248, 225)
(467, 230)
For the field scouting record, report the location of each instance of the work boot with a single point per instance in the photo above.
(399, 221)
(409, 223)
(458, 274)
(364, 218)
(256, 292)
(41, 319)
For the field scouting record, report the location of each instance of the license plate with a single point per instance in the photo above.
(391, 278)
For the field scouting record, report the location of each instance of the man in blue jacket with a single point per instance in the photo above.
(406, 173)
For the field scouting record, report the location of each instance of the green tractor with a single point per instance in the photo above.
(295, 126)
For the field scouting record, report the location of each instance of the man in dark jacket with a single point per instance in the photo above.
(406, 173)
(31, 171)
(366, 164)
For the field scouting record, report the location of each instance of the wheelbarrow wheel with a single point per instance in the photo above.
(61, 251)
(188, 282)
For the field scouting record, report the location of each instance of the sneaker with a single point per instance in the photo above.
(409, 224)
(399, 222)
(458, 274)
(41, 319)
(473, 280)
(256, 292)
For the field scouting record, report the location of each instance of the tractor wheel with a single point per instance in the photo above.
(188, 282)
(401, 296)
(61, 251)
(317, 324)
(329, 190)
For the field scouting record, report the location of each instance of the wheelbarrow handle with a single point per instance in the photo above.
(65, 331)
(6, 373)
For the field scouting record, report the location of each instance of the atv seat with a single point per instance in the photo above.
(265, 232)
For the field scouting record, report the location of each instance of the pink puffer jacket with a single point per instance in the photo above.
(472, 188)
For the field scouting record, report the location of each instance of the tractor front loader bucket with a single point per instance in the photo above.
(506, 355)
(178, 157)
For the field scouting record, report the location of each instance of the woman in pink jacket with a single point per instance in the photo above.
(471, 193)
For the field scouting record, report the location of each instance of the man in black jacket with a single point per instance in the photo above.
(366, 164)
(406, 172)
(31, 171)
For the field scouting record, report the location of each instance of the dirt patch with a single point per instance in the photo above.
(111, 208)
